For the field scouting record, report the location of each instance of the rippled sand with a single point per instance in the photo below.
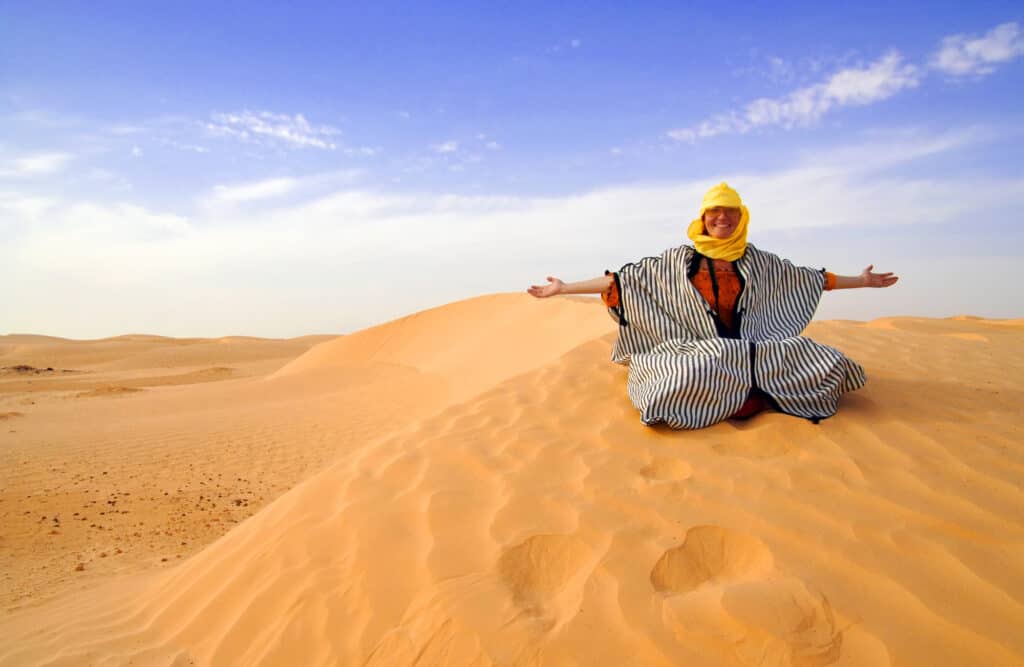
(471, 486)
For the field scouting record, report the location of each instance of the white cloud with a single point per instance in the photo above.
(770, 68)
(228, 199)
(265, 189)
(136, 151)
(86, 230)
(492, 146)
(194, 148)
(24, 207)
(38, 164)
(557, 48)
(881, 80)
(779, 70)
(362, 151)
(852, 86)
(44, 119)
(122, 130)
(445, 147)
(964, 55)
(264, 126)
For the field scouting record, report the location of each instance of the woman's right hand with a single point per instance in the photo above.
(554, 286)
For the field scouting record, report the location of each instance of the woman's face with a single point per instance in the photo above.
(721, 221)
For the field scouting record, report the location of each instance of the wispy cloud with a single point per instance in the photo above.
(779, 70)
(362, 151)
(771, 68)
(192, 148)
(445, 147)
(266, 189)
(226, 197)
(37, 164)
(123, 130)
(568, 45)
(264, 126)
(966, 55)
(25, 207)
(43, 119)
(487, 142)
(852, 86)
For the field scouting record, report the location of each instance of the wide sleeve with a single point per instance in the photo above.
(780, 298)
(656, 303)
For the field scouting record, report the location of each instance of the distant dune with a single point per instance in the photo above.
(469, 485)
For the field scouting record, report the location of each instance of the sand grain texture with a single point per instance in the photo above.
(470, 486)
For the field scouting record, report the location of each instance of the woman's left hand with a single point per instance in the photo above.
(871, 279)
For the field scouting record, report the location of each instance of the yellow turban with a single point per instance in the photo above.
(729, 249)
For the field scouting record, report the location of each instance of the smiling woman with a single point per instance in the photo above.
(712, 331)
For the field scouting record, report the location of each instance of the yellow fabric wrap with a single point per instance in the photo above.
(729, 249)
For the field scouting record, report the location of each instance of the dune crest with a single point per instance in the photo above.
(470, 345)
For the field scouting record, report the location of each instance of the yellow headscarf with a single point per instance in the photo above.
(729, 249)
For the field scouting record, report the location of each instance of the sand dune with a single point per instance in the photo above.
(467, 346)
(470, 486)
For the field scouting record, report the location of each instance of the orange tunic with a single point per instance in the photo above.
(729, 287)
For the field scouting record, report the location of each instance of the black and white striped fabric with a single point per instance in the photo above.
(683, 374)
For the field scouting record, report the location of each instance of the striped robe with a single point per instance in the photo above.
(683, 374)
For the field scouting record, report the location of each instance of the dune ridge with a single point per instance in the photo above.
(487, 516)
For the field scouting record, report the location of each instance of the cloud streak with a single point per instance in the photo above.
(267, 127)
(265, 189)
(37, 164)
(964, 55)
(445, 147)
(854, 86)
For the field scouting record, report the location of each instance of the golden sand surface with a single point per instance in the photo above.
(470, 485)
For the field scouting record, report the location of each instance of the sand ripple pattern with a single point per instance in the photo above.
(537, 522)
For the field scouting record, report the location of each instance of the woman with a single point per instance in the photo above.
(712, 331)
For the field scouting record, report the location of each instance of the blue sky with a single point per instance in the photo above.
(232, 168)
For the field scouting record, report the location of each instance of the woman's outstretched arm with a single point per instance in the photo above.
(556, 286)
(866, 279)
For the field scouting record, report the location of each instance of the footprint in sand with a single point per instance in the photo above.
(545, 574)
(722, 591)
(667, 470)
(711, 554)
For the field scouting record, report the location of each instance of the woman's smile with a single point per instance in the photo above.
(721, 221)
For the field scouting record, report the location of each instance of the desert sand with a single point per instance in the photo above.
(469, 485)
